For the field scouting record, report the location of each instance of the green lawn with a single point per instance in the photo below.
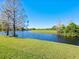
(45, 31)
(15, 48)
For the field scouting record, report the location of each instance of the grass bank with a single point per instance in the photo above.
(15, 48)
(45, 31)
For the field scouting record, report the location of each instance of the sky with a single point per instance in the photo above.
(46, 13)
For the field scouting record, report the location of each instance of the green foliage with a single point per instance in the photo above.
(62, 30)
(71, 27)
(54, 27)
(71, 30)
(32, 28)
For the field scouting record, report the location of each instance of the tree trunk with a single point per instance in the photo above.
(7, 31)
(14, 27)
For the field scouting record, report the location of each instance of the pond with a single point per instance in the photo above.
(40, 36)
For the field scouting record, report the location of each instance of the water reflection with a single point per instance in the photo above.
(48, 37)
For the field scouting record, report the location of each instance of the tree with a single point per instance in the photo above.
(27, 25)
(71, 30)
(58, 27)
(5, 18)
(54, 27)
(71, 27)
(62, 30)
(14, 13)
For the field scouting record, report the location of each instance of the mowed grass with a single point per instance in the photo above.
(45, 31)
(15, 48)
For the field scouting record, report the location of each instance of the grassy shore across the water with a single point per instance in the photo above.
(16, 48)
(45, 31)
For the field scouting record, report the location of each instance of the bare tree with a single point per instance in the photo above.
(58, 27)
(5, 19)
(14, 14)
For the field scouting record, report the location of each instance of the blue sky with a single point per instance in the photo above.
(46, 13)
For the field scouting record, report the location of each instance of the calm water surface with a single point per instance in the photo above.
(40, 36)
